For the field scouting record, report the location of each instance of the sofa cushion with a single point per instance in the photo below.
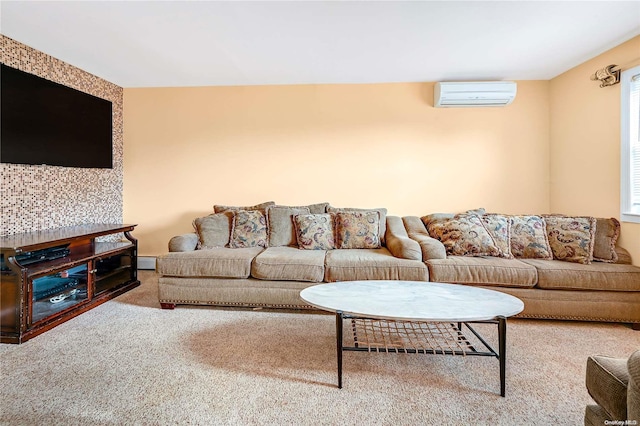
(623, 256)
(430, 247)
(358, 230)
(529, 238)
(371, 264)
(439, 216)
(317, 208)
(571, 238)
(482, 270)
(217, 262)
(607, 379)
(281, 229)
(399, 243)
(213, 230)
(382, 211)
(594, 415)
(607, 233)
(315, 231)
(248, 229)
(262, 207)
(463, 235)
(289, 264)
(499, 227)
(556, 274)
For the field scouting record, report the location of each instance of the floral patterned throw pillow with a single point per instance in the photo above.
(529, 238)
(248, 229)
(358, 230)
(381, 211)
(315, 231)
(463, 235)
(262, 207)
(499, 227)
(571, 238)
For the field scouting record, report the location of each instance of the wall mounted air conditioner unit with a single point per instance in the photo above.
(474, 94)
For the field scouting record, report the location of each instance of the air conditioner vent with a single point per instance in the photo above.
(474, 94)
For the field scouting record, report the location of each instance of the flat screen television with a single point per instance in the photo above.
(43, 122)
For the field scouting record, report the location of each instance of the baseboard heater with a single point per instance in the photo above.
(147, 262)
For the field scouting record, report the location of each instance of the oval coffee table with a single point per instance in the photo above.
(415, 317)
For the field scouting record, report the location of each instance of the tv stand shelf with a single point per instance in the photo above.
(38, 293)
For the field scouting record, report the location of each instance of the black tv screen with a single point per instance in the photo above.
(43, 122)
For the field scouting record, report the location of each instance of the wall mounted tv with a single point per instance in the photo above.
(43, 122)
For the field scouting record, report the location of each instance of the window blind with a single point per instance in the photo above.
(634, 140)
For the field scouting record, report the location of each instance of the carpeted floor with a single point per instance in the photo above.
(129, 362)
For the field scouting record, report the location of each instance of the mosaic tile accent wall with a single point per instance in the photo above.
(33, 198)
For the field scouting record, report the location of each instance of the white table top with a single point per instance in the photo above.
(412, 300)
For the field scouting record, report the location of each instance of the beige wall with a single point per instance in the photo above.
(585, 143)
(351, 145)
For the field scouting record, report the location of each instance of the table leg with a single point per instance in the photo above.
(339, 346)
(502, 342)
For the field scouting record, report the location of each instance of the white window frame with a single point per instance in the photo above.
(628, 212)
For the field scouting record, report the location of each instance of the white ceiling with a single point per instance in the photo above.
(200, 43)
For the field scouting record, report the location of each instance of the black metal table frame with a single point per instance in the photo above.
(501, 321)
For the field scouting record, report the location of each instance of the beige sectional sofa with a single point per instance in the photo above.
(550, 289)
(273, 276)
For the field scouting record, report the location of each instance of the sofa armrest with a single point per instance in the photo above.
(430, 247)
(184, 242)
(624, 256)
(398, 242)
(633, 388)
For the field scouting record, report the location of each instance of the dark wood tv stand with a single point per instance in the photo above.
(51, 276)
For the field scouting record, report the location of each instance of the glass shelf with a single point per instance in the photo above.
(58, 292)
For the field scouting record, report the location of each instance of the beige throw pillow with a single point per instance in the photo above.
(213, 230)
(317, 208)
(281, 228)
(607, 233)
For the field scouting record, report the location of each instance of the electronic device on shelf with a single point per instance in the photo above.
(30, 257)
(52, 285)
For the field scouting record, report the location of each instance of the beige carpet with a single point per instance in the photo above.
(129, 362)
